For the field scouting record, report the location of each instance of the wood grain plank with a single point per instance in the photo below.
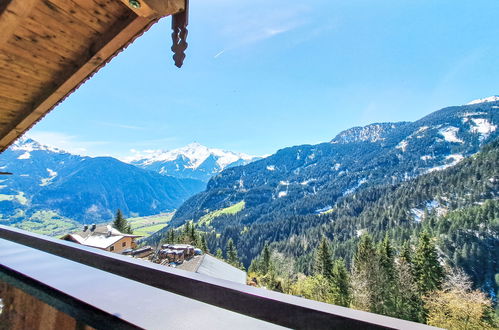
(15, 95)
(28, 57)
(36, 52)
(105, 12)
(46, 46)
(66, 19)
(12, 16)
(28, 65)
(9, 78)
(70, 13)
(54, 30)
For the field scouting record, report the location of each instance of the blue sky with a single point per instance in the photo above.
(262, 75)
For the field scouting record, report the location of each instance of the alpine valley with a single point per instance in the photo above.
(440, 173)
(51, 191)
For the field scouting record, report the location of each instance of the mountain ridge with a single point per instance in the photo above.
(310, 173)
(193, 161)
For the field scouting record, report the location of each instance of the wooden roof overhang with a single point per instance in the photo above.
(48, 48)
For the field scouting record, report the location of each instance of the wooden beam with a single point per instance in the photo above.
(12, 15)
(155, 8)
(98, 55)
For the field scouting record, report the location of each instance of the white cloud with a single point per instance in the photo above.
(262, 20)
(124, 126)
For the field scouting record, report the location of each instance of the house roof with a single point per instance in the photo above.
(101, 237)
(48, 48)
(211, 266)
(98, 241)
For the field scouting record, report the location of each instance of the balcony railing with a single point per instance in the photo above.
(106, 290)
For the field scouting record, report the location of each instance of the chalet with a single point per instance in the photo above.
(103, 237)
(176, 256)
(186, 249)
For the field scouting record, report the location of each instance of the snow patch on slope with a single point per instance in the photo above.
(282, 194)
(353, 189)
(26, 155)
(450, 134)
(51, 177)
(482, 126)
(402, 145)
(451, 159)
(417, 214)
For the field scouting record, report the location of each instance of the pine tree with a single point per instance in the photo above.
(231, 252)
(406, 253)
(408, 303)
(192, 234)
(341, 284)
(219, 254)
(204, 246)
(170, 236)
(121, 224)
(323, 262)
(265, 259)
(186, 233)
(365, 274)
(387, 285)
(429, 274)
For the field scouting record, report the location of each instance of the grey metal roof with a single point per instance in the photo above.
(211, 266)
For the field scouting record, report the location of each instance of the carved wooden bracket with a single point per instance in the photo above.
(179, 35)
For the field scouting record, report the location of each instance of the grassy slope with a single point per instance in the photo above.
(48, 223)
(233, 209)
(145, 226)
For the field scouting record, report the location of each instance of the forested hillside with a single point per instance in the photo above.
(457, 205)
(387, 177)
(425, 250)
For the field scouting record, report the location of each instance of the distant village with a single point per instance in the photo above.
(181, 256)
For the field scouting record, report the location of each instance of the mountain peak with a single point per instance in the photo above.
(493, 98)
(27, 144)
(370, 133)
(194, 153)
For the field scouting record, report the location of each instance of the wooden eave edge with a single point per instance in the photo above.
(118, 39)
(156, 8)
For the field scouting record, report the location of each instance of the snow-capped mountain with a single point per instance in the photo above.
(193, 161)
(494, 98)
(28, 145)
